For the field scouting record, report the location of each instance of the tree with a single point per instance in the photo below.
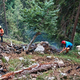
(75, 24)
(1, 11)
(14, 17)
(10, 4)
(3, 21)
(5, 17)
(67, 13)
(40, 17)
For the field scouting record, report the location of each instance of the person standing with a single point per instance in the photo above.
(1, 33)
(67, 46)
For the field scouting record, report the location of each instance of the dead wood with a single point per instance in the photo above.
(33, 69)
(38, 33)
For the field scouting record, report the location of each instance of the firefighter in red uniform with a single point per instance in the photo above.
(1, 33)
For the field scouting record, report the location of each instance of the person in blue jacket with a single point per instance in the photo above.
(67, 46)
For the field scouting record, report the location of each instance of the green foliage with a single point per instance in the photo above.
(67, 13)
(4, 60)
(1, 13)
(15, 25)
(11, 69)
(71, 55)
(26, 62)
(14, 64)
(41, 16)
(10, 4)
(14, 41)
(40, 78)
(77, 39)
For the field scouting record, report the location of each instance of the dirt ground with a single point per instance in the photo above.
(71, 68)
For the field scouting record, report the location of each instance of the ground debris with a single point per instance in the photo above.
(7, 48)
(41, 67)
(61, 68)
(43, 47)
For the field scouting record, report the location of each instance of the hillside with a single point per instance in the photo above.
(45, 64)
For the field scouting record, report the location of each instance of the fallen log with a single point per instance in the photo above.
(29, 70)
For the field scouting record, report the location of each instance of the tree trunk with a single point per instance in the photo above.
(38, 33)
(75, 23)
(5, 17)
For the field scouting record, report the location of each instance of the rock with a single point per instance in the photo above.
(56, 59)
(0, 75)
(18, 51)
(24, 47)
(19, 78)
(79, 53)
(41, 52)
(1, 68)
(0, 62)
(33, 78)
(34, 75)
(21, 58)
(59, 62)
(78, 47)
(7, 58)
(63, 74)
(33, 60)
(39, 48)
(51, 78)
(49, 57)
(68, 59)
(30, 53)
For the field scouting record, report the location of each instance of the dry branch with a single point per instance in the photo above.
(32, 69)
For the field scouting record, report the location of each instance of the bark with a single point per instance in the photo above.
(75, 23)
(38, 33)
(5, 17)
(33, 69)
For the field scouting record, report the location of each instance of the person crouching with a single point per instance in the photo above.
(67, 46)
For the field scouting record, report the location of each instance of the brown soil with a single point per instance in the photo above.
(72, 69)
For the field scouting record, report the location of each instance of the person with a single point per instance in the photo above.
(1, 33)
(66, 46)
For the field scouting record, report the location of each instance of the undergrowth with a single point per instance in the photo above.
(71, 55)
(9, 40)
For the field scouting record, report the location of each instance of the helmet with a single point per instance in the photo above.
(0, 26)
(63, 42)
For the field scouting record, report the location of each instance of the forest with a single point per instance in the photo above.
(56, 20)
(33, 33)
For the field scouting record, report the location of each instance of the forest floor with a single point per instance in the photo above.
(67, 69)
